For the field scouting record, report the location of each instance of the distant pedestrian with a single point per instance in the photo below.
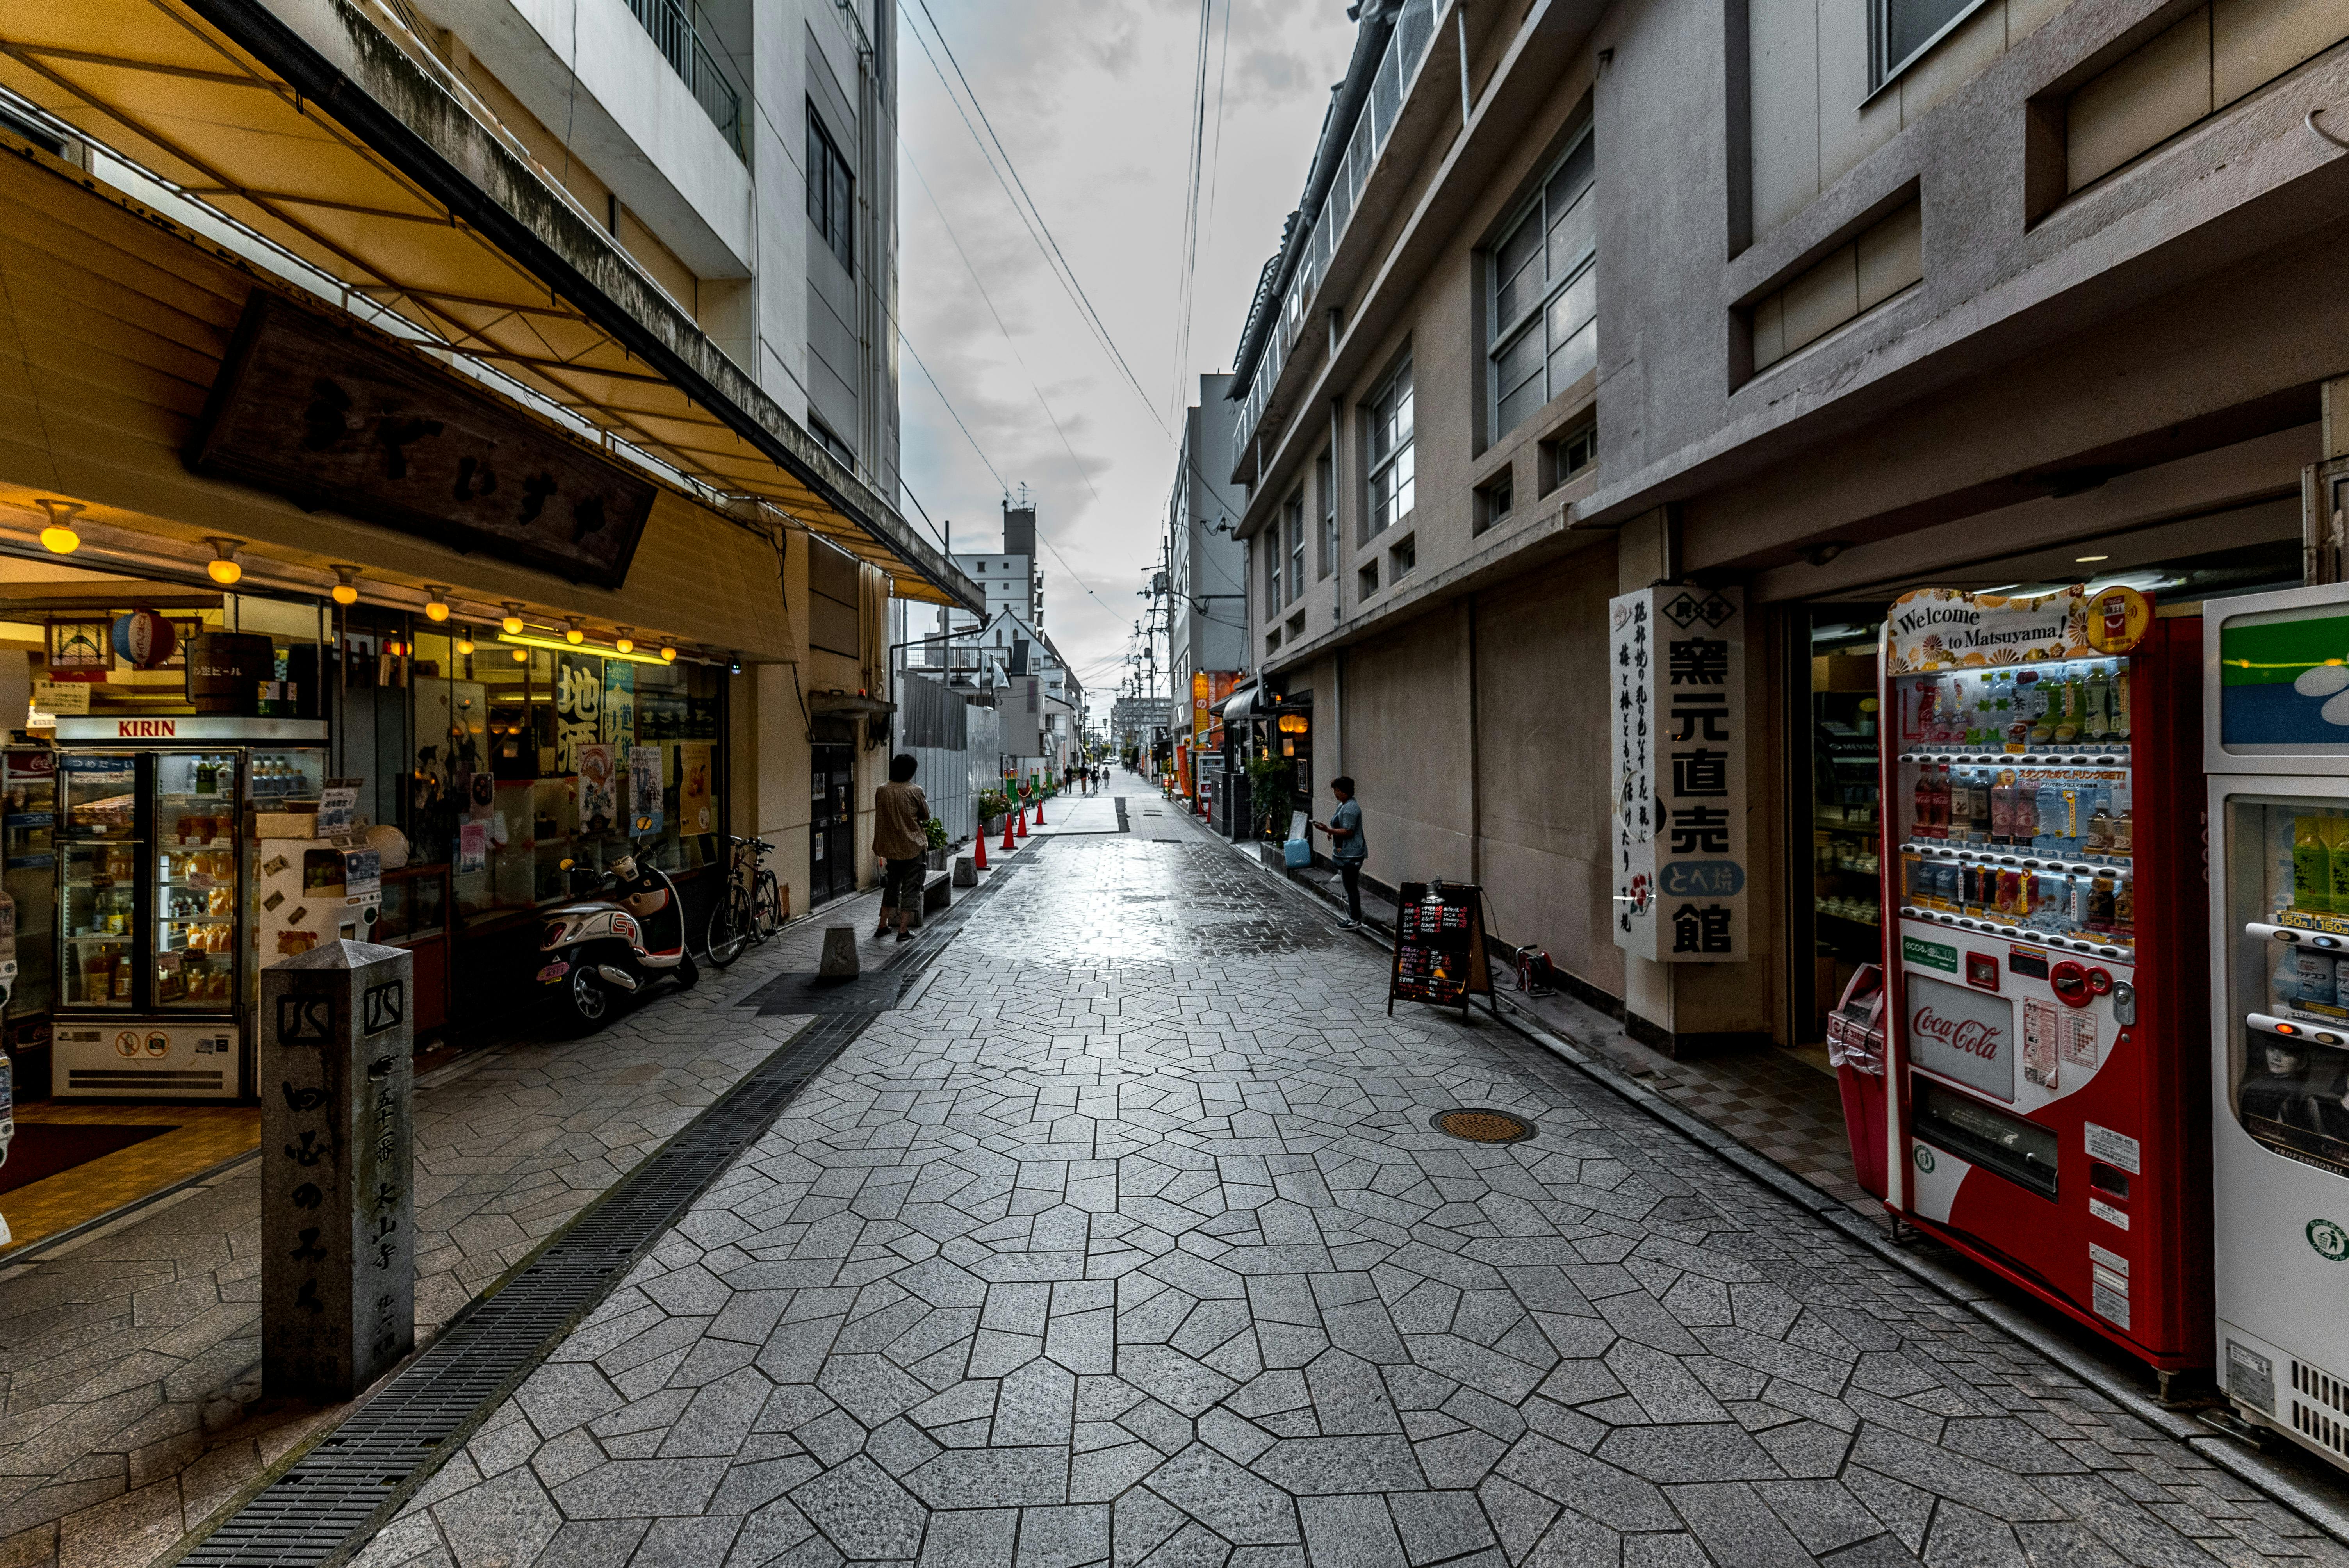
(1348, 847)
(901, 817)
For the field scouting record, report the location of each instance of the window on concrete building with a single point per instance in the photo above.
(1545, 295)
(1272, 570)
(1901, 30)
(1566, 455)
(1325, 492)
(1494, 501)
(1366, 581)
(1401, 559)
(831, 191)
(1393, 470)
(1295, 524)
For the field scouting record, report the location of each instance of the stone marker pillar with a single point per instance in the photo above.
(337, 1205)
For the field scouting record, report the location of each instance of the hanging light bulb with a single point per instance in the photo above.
(521, 656)
(511, 624)
(436, 606)
(734, 667)
(625, 643)
(465, 641)
(223, 568)
(668, 656)
(57, 536)
(572, 633)
(345, 591)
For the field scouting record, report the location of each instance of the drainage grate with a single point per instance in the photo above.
(349, 1485)
(1478, 1124)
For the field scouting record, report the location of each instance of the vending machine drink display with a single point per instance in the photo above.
(2276, 667)
(153, 837)
(2043, 796)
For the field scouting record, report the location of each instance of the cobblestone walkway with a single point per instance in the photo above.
(1131, 1243)
(130, 1399)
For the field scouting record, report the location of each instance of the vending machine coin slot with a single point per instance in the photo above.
(2070, 984)
(1982, 970)
(2108, 1181)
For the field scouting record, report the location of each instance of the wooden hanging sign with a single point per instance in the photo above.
(1439, 950)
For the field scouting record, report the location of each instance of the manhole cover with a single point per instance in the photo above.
(1479, 1125)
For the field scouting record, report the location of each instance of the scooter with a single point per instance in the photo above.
(615, 944)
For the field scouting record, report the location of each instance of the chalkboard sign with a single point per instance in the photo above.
(1439, 951)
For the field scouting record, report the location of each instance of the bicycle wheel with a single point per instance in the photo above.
(768, 907)
(729, 927)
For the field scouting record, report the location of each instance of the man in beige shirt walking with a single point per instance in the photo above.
(901, 836)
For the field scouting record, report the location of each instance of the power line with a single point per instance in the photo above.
(1040, 229)
(1191, 180)
(941, 391)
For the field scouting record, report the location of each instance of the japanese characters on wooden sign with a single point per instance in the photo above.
(330, 417)
(1676, 672)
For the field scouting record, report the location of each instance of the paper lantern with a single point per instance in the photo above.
(145, 638)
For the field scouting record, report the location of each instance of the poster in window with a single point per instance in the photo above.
(619, 716)
(472, 847)
(598, 789)
(578, 700)
(645, 801)
(695, 813)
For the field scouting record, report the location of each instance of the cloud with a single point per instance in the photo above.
(1092, 98)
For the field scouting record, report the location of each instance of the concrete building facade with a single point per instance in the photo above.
(1803, 297)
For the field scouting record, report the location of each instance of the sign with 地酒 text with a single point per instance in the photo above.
(1676, 723)
(330, 417)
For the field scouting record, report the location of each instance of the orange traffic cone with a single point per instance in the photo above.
(1040, 811)
(978, 851)
(1008, 845)
(1023, 818)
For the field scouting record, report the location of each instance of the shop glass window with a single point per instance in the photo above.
(1544, 303)
(523, 764)
(1393, 488)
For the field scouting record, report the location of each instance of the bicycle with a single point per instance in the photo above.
(752, 909)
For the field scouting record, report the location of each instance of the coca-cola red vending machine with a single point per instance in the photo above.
(2044, 863)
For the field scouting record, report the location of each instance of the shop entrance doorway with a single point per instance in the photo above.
(831, 851)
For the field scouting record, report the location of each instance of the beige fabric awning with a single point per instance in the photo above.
(363, 161)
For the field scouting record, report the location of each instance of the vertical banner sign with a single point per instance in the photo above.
(1676, 668)
(578, 699)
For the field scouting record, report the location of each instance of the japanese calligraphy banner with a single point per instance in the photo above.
(1676, 672)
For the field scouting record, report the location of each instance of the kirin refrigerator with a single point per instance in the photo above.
(2276, 673)
(156, 972)
(2042, 808)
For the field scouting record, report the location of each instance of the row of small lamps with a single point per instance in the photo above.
(59, 538)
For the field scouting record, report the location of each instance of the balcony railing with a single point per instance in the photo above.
(673, 31)
(1398, 70)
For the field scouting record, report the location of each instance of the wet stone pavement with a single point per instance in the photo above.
(1130, 1242)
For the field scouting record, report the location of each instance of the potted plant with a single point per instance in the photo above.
(936, 832)
(1268, 794)
(994, 805)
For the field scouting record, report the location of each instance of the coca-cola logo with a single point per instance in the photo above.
(1969, 1034)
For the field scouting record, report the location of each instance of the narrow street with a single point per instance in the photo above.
(1128, 1240)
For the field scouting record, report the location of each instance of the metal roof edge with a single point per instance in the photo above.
(647, 322)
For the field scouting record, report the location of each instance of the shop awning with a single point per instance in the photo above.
(1242, 703)
(349, 146)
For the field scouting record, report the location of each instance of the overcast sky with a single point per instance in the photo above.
(1092, 101)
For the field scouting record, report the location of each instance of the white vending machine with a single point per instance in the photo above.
(2276, 745)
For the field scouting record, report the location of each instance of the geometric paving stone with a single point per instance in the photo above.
(1102, 1253)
